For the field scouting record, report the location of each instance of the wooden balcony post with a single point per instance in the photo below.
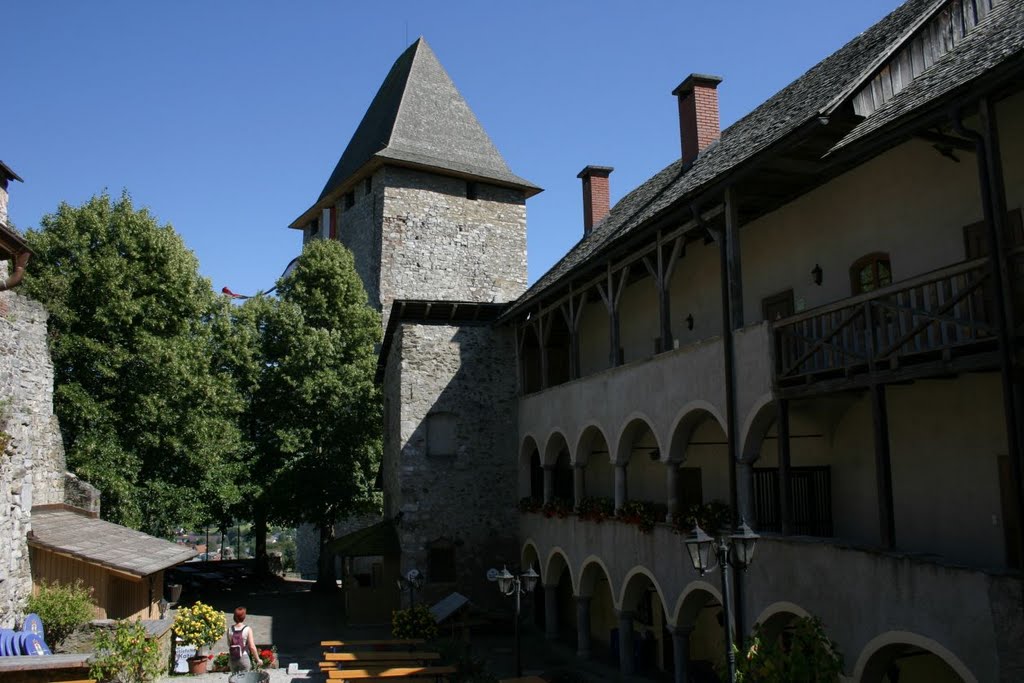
(785, 480)
(611, 294)
(883, 467)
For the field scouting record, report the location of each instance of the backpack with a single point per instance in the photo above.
(236, 647)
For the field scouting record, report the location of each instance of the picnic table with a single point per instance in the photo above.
(435, 672)
(380, 655)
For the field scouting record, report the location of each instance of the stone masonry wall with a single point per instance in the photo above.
(307, 542)
(467, 497)
(437, 244)
(359, 230)
(32, 464)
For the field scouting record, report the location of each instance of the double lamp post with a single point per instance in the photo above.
(518, 585)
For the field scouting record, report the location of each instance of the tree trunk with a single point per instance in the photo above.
(259, 530)
(325, 579)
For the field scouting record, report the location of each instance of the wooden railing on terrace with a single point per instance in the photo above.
(937, 316)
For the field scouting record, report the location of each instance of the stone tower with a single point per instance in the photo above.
(437, 224)
(422, 196)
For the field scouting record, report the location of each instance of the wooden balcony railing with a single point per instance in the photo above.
(934, 317)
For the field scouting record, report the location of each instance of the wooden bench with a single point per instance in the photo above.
(381, 656)
(394, 642)
(425, 672)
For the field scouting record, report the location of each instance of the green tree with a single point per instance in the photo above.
(327, 424)
(147, 414)
(803, 654)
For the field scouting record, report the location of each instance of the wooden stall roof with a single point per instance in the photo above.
(377, 539)
(76, 533)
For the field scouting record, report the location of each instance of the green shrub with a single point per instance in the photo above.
(804, 654)
(125, 654)
(62, 608)
(416, 622)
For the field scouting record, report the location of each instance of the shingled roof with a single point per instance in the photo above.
(63, 530)
(821, 91)
(418, 118)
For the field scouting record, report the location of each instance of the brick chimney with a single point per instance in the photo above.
(595, 195)
(698, 114)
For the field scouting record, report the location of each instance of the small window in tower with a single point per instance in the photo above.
(441, 561)
(441, 434)
(368, 184)
(350, 199)
(472, 189)
(314, 227)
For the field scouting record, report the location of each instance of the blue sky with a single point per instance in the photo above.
(226, 118)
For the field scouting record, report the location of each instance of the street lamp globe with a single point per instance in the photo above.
(743, 543)
(529, 579)
(505, 579)
(700, 547)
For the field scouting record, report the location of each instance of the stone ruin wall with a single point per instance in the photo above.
(32, 465)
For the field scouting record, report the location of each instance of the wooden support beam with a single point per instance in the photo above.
(783, 445)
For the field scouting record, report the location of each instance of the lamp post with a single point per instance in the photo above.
(735, 550)
(511, 584)
(410, 582)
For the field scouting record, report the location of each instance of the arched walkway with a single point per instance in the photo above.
(643, 643)
(531, 476)
(597, 478)
(699, 461)
(639, 474)
(698, 637)
(596, 610)
(904, 657)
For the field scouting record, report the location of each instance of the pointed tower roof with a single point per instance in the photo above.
(418, 118)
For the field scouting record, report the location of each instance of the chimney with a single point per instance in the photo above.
(595, 195)
(6, 175)
(698, 114)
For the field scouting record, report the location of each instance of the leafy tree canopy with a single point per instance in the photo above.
(320, 366)
(147, 409)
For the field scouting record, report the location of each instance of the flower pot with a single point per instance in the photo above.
(197, 665)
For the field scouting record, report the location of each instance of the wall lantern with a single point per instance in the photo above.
(689, 322)
(816, 274)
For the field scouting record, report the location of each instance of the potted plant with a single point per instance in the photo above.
(199, 626)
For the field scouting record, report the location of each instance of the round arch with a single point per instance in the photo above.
(873, 658)
(633, 585)
(685, 422)
(755, 427)
(776, 616)
(633, 427)
(555, 565)
(527, 448)
(591, 436)
(692, 600)
(529, 555)
(556, 443)
(590, 570)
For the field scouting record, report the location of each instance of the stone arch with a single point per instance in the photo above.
(556, 564)
(530, 475)
(777, 616)
(692, 600)
(592, 436)
(755, 428)
(556, 443)
(686, 420)
(634, 584)
(634, 427)
(590, 571)
(529, 555)
(883, 649)
(594, 455)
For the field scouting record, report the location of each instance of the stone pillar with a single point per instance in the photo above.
(672, 482)
(583, 626)
(579, 483)
(551, 612)
(745, 492)
(621, 494)
(549, 483)
(626, 642)
(680, 651)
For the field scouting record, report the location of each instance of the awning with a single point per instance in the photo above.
(378, 539)
(79, 534)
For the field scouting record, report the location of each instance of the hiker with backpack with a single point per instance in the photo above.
(242, 650)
